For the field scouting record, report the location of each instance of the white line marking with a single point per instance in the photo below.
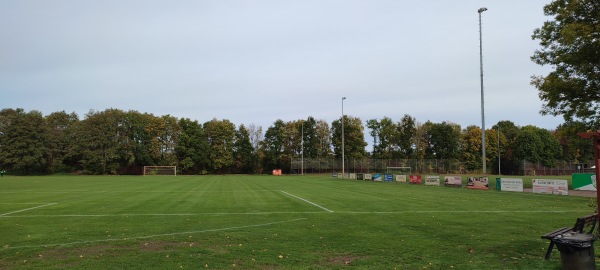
(158, 235)
(222, 191)
(305, 200)
(295, 213)
(20, 203)
(158, 214)
(27, 209)
(44, 192)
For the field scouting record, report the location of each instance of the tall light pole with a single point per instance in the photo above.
(481, 10)
(343, 161)
(302, 161)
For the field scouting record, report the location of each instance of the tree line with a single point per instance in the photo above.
(114, 141)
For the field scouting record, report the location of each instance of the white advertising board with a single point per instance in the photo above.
(452, 181)
(432, 180)
(511, 184)
(400, 178)
(550, 186)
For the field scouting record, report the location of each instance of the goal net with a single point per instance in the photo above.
(398, 170)
(160, 170)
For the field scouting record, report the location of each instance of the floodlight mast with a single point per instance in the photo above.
(343, 161)
(302, 161)
(481, 10)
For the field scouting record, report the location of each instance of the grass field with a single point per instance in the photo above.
(270, 222)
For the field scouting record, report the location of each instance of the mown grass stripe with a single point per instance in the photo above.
(156, 235)
(294, 213)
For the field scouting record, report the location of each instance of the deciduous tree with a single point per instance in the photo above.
(571, 45)
(534, 144)
(192, 147)
(273, 146)
(62, 156)
(99, 140)
(574, 147)
(471, 148)
(221, 136)
(23, 141)
(354, 138)
(443, 140)
(244, 154)
(405, 141)
(323, 138)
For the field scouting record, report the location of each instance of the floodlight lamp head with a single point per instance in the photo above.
(481, 10)
(343, 98)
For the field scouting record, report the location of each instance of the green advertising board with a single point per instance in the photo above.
(584, 181)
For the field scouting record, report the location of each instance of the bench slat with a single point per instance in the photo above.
(555, 233)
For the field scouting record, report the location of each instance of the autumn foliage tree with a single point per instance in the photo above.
(571, 46)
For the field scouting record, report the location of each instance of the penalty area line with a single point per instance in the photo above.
(27, 209)
(157, 235)
(307, 201)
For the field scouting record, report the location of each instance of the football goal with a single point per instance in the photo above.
(398, 170)
(160, 170)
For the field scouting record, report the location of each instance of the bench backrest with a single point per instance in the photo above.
(586, 221)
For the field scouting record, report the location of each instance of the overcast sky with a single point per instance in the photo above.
(256, 61)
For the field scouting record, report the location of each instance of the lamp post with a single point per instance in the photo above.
(302, 161)
(343, 161)
(481, 10)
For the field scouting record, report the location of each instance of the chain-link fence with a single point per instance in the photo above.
(562, 168)
(312, 166)
(423, 166)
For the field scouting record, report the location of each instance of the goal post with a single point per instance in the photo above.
(160, 170)
(398, 170)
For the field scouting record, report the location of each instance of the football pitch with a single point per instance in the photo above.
(272, 222)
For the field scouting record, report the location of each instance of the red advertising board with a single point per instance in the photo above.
(416, 179)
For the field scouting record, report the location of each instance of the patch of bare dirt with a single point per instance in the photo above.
(162, 246)
(342, 260)
(63, 253)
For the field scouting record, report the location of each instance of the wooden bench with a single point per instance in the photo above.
(579, 227)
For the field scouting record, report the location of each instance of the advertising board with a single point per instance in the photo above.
(416, 179)
(509, 184)
(480, 182)
(453, 181)
(400, 178)
(432, 180)
(584, 181)
(550, 186)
